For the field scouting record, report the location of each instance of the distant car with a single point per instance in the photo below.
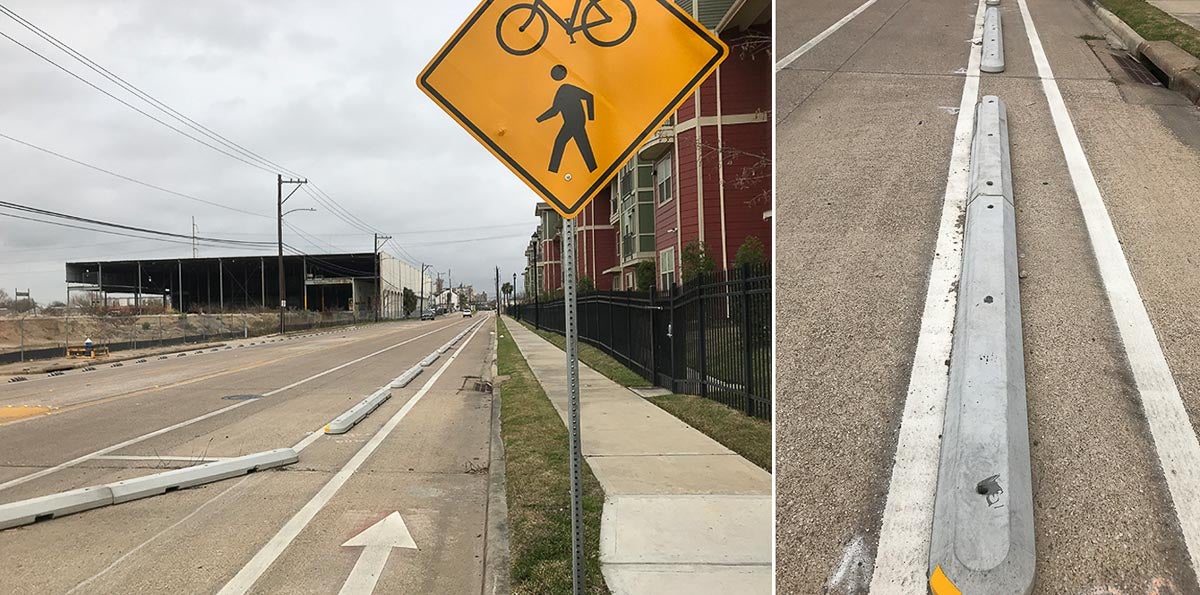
(428, 315)
(466, 313)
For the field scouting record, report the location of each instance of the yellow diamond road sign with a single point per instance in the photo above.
(564, 91)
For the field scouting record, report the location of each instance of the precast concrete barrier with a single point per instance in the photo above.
(24, 512)
(402, 380)
(992, 59)
(355, 414)
(983, 540)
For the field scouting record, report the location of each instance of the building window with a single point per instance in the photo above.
(663, 187)
(666, 266)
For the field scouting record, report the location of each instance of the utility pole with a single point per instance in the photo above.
(512, 296)
(378, 277)
(497, 291)
(279, 182)
(421, 308)
(194, 251)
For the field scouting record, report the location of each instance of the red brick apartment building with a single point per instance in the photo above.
(705, 176)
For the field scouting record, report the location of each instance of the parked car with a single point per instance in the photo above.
(428, 315)
(467, 313)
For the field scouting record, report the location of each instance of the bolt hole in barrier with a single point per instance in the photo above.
(986, 545)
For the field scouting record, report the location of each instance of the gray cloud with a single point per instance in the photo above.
(326, 90)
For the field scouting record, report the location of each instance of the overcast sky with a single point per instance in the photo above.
(325, 89)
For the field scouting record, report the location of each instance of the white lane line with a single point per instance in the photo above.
(258, 565)
(156, 536)
(1174, 439)
(903, 556)
(87, 457)
(812, 43)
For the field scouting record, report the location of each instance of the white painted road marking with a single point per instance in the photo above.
(143, 544)
(87, 457)
(903, 556)
(1174, 440)
(812, 43)
(377, 543)
(258, 565)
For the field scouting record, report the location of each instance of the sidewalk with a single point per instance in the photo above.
(1187, 11)
(682, 513)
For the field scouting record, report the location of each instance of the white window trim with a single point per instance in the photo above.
(658, 184)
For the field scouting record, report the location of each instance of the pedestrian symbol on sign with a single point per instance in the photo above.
(569, 101)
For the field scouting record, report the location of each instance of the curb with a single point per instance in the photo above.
(983, 537)
(496, 579)
(25, 512)
(1181, 68)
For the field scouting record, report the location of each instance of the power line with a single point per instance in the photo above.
(133, 107)
(45, 212)
(162, 107)
(127, 178)
(109, 232)
(255, 160)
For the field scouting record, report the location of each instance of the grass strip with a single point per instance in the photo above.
(745, 435)
(1155, 25)
(537, 460)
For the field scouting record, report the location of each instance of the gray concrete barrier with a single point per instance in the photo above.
(178, 479)
(992, 59)
(402, 380)
(25, 512)
(428, 361)
(983, 539)
(355, 414)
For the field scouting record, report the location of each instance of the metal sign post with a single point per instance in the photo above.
(572, 331)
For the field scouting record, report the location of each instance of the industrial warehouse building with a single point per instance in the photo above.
(319, 283)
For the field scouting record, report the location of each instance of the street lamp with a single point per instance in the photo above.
(537, 249)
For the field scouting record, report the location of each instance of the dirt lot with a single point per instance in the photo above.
(59, 331)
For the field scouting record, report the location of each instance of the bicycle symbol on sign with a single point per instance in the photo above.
(605, 23)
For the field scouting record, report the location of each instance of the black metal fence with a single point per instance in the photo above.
(709, 337)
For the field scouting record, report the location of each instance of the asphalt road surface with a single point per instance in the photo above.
(870, 175)
(422, 454)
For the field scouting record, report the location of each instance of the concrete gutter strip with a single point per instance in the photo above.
(983, 538)
(24, 512)
(408, 376)
(992, 59)
(496, 580)
(355, 414)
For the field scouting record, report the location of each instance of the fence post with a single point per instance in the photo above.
(673, 335)
(747, 339)
(703, 341)
(653, 341)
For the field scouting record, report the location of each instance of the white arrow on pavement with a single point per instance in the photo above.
(377, 543)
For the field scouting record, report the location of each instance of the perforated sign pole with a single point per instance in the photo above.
(572, 331)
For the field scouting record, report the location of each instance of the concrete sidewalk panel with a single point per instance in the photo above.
(680, 474)
(686, 530)
(687, 579)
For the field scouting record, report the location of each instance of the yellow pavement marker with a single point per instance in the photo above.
(940, 584)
